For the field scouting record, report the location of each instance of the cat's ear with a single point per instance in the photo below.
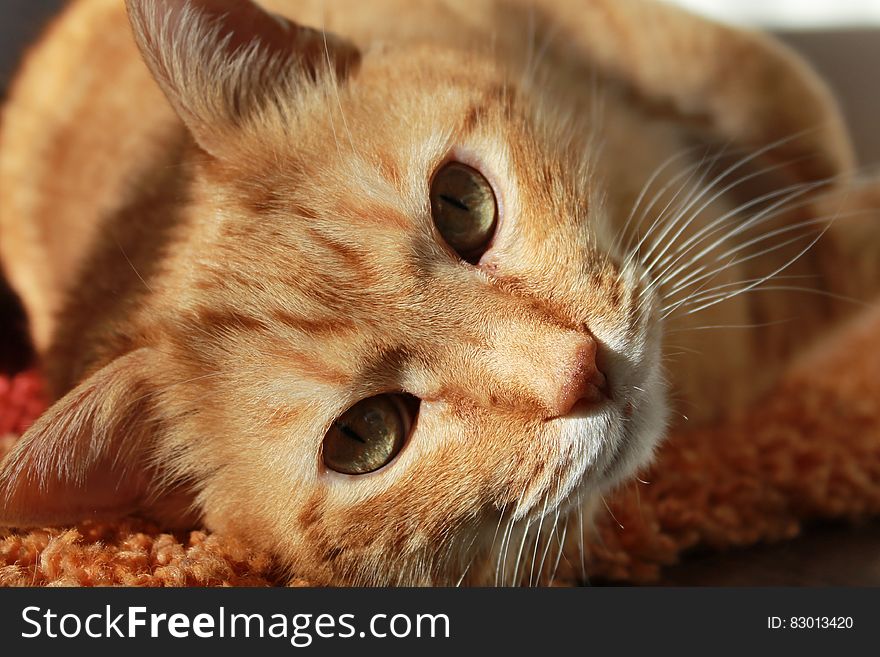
(91, 455)
(739, 86)
(221, 61)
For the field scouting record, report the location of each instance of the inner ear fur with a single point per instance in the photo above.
(221, 61)
(92, 455)
(740, 86)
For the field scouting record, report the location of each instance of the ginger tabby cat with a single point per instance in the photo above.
(392, 300)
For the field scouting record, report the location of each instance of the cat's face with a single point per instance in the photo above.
(509, 381)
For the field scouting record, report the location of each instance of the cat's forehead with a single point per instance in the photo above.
(405, 110)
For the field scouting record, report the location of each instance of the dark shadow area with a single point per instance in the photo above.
(827, 554)
(21, 22)
(15, 351)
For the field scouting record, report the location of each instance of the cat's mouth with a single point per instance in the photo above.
(588, 406)
(613, 439)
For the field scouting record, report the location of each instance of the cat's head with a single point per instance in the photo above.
(392, 329)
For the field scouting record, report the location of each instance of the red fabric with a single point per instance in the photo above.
(21, 401)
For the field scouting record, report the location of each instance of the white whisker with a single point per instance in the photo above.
(611, 513)
(770, 212)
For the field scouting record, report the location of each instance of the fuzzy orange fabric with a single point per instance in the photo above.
(810, 450)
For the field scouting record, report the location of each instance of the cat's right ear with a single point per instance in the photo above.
(220, 62)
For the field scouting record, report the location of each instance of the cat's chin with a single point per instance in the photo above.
(611, 446)
(616, 441)
(643, 432)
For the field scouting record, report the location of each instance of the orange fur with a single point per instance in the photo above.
(223, 250)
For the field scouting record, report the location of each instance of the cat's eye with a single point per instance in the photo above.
(464, 209)
(369, 434)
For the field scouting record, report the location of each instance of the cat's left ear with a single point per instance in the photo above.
(219, 62)
(95, 454)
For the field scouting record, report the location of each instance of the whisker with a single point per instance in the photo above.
(538, 538)
(643, 192)
(723, 286)
(610, 512)
(796, 226)
(775, 209)
(683, 225)
(790, 262)
(547, 546)
(509, 532)
(749, 157)
(470, 563)
(131, 264)
(335, 88)
(785, 288)
(581, 546)
(522, 544)
(731, 326)
(776, 247)
(688, 174)
(560, 551)
(762, 217)
(502, 552)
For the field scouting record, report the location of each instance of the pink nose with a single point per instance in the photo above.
(583, 385)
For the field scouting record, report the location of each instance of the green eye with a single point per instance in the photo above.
(368, 435)
(464, 209)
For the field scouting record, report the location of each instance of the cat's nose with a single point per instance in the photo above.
(581, 384)
(534, 368)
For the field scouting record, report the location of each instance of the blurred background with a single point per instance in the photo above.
(790, 14)
(840, 37)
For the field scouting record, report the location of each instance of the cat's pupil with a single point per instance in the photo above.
(464, 210)
(455, 202)
(366, 436)
(351, 433)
